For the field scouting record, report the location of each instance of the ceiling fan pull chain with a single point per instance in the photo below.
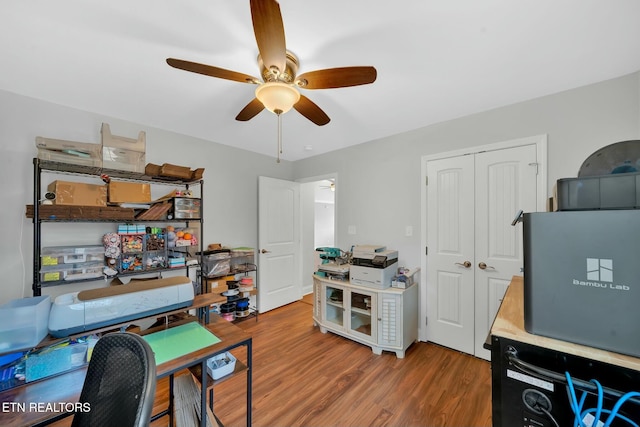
(280, 132)
(279, 135)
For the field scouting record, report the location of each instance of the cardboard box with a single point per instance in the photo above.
(129, 192)
(79, 194)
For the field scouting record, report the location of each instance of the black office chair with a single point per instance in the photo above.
(120, 385)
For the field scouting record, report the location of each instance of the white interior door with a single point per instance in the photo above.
(450, 290)
(278, 243)
(505, 183)
(473, 251)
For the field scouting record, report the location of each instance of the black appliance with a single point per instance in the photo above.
(530, 386)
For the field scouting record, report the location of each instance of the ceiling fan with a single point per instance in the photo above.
(277, 91)
(331, 185)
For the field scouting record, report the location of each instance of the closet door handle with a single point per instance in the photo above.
(465, 264)
(264, 251)
(484, 266)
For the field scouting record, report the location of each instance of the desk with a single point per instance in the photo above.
(511, 344)
(67, 387)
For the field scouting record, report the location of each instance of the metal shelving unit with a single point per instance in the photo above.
(241, 265)
(45, 166)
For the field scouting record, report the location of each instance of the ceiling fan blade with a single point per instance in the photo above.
(269, 31)
(337, 77)
(311, 111)
(210, 70)
(250, 111)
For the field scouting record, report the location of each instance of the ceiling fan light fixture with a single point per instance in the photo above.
(277, 97)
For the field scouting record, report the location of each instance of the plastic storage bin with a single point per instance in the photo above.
(55, 255)
(242, 260)
(186, 208)
(155, 259)
(24, 323)
(51, 361)
(70, 152)
(221, 365)
(131, 262)
(70, 272)
(217, 262)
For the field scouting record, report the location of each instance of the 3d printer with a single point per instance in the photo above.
(334, 263)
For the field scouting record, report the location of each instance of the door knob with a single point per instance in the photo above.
(465, 264)
(484, 266)
(264, 251)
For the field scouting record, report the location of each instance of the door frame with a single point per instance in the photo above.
(540, 142)
(307, 217)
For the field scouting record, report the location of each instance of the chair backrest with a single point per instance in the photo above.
(120, 385)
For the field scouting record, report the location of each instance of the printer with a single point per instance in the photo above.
(373, 266)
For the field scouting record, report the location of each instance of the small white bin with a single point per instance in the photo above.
(221, 365)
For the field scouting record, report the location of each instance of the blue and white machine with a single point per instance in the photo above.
(82, 311)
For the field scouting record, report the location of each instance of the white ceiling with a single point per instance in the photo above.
(436, 60)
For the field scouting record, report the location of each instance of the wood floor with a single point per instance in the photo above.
(302, 377)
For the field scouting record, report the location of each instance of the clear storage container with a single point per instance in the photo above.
(70, 272)
(52, 361)
(186, 208)
(55, 255)
(217, 262)
(24, 323)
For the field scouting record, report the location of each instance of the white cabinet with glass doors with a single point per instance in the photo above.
(384, 319)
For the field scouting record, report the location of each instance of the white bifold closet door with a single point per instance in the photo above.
(473, 250)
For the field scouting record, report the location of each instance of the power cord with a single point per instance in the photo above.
(539, 403)
(580, 414)
(548, 414)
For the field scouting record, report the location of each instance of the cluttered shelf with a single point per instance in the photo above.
(137, 247)
(64, 213)
(239, 269)
(228, 273)
(72, 169)
(238, 296)
(99, 275)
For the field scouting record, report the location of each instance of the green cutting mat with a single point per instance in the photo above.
(175, 342)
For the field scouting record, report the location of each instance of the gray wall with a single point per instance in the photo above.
(230, 188)
(380, 181)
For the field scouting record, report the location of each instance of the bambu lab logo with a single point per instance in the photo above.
(600, 270)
